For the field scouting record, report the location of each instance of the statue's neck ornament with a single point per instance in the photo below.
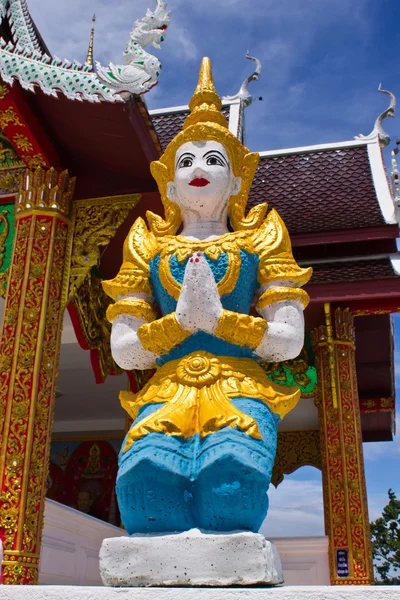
(206, 122)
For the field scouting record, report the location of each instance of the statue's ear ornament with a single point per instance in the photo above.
(206, 122)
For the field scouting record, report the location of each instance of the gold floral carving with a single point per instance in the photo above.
(21, 142)
(95, 223)
(3, 235)
(91, 303)
(196, 391)
(3, 283)
(295, 449)
(4, 89)
(242, 330)
(9, 180)
(9, 116)
(35, 161)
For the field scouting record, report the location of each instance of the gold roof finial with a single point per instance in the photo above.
(205, 105)
(89, 58)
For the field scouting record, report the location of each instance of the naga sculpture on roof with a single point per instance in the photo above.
(201, 448)
(141, 70)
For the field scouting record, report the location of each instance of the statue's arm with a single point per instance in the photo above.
(275, 336)
(282, 307)
(127, 315)
(137, 336)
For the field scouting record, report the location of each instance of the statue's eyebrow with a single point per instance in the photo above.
(219, 154)
(182, 155)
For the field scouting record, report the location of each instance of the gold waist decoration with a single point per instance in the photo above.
(196, 391)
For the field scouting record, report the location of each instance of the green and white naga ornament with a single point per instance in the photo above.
(141, 70)
(27, 60)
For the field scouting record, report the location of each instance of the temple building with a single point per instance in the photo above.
(74, 175)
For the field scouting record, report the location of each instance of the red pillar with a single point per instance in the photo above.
(29, 356)
(345, 496)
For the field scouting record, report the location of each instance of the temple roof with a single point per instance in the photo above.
(298, 183)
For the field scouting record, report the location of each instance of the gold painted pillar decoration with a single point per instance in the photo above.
(29, 356)
(345, 496)
(94, 223)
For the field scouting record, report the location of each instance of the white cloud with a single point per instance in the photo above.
(65, 26)
(296, 509)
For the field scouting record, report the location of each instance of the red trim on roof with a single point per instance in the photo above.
(340, 237)
(376, 289)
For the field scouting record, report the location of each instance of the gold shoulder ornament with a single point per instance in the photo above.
(272, 244)
(139, 248)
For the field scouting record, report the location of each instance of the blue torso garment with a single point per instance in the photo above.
(239, 300)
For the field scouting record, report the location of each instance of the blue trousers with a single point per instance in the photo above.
(215, 483)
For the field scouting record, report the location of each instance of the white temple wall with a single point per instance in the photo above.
(71, 543)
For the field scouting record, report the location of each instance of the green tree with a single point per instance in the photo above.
(385, 536)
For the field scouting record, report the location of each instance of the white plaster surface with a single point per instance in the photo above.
(70, 546)
(22, 592)
(126, 347)
(190, 558)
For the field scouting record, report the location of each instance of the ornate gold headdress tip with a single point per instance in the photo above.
(205, 105)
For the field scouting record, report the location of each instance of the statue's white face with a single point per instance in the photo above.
(204, 181)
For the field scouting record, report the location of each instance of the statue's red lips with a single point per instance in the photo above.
(199, 182)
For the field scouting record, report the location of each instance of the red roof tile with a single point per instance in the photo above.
(352, 271)
(319, 191)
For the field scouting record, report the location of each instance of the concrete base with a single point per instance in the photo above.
(61, 592)
(192, 558)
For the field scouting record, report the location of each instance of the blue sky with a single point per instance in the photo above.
(322, 63)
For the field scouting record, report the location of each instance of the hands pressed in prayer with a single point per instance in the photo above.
(199, 306)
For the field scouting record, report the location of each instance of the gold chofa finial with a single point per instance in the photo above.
(89, 58)
(205, 105)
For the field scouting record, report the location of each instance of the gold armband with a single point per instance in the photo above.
(242, 330)
(282, 294)
(162, 335)
(131, 306)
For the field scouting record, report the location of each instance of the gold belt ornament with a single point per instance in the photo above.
(196, 391)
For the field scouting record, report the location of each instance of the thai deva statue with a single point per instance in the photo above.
(202, 444)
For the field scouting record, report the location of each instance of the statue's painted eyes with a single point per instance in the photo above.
(215, 160)
(185, 162)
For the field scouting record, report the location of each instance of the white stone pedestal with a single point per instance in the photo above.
(192, 558)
